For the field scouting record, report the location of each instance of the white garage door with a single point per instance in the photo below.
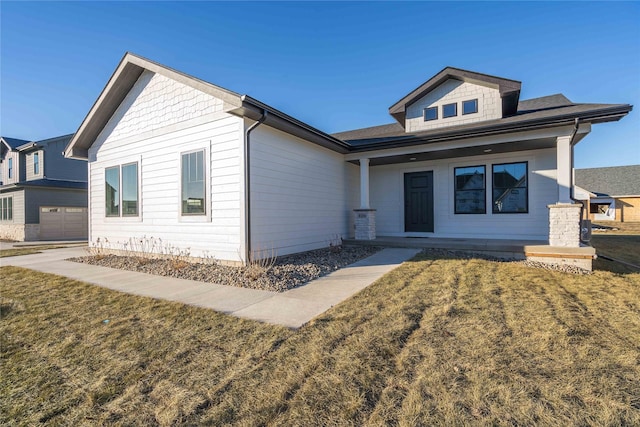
(61, 223)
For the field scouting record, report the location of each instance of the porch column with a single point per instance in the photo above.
(365, 217)
(564, 166)
(364, 183)
(564, 216)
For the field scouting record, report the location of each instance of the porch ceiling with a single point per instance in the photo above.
(485, 149)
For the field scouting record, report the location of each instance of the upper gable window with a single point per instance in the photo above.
(470, 106)
(449, 110)
(430, 113)
(10, 174)
(36, 163)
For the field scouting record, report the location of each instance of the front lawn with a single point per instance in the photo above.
(435, 342)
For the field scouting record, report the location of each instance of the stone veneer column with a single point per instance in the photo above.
(365, 223)
(564, 225)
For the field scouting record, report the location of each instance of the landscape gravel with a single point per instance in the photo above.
(288, 271)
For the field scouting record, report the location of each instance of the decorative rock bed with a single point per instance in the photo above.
(288, 271)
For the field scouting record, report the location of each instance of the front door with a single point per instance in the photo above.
(418, 201)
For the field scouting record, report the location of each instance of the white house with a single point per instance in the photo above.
(204, 168)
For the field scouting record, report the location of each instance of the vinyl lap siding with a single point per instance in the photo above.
(158, 154)
(387, 196)
(299, 199)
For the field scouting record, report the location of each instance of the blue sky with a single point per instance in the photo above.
(336, 66)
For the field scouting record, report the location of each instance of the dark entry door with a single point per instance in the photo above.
(418, 201)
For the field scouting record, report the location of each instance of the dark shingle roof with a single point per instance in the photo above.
(14, 143)
(543, 103)
(547, 109)
(611, 181)
(57, 183)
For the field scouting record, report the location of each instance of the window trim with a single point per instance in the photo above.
(470, 112)
(6, 209)
(424, 113)
(121, 217)
(137, 164)
(484, 189)
(110, 215)
(493, 205)
(36, 163)
(10, 168)
(203, 146)
(455, 105)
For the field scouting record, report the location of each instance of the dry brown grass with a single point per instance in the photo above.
(27, 250)
(435, 342)
(623, 245)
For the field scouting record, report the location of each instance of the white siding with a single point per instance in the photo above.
(158, 154)
(387, 196)
(154, 102)
(299, 193)
(454, 91)
(30, 166)
(15, 174)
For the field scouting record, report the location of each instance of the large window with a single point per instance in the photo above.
(36, 163)
(470, 193)
(6, 208)
(122, 200)
(193, 183)
(510, 188)
(10, 165)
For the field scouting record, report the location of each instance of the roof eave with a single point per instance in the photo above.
(253, 109)
(596, 116)
(118, 86)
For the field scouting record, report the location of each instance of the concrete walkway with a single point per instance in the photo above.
(292, 308)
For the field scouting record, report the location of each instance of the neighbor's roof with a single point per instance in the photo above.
(13, 143)
(43, 142)
(509, 90)
(615, 181)
(47, 183)
(533, 113)
(132, 66)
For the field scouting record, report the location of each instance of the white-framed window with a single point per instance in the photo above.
(193, 188)
(122, 197)
(36, 163)
(6, 208)
(10, 167)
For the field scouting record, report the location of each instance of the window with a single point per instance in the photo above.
(6, 208)
(430, 113)
(121, 200)
(449, 110)
(470, 190)
(193, 183)
(130, 189)
(470, 107)
(510, 188)
(112, 191)
(36, 163)
(10, 173)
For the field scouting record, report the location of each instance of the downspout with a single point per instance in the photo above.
(247, 186)
(571, 183)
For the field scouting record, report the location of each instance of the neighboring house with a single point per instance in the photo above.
(611, 194)
(43, 195)
(223, 174)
